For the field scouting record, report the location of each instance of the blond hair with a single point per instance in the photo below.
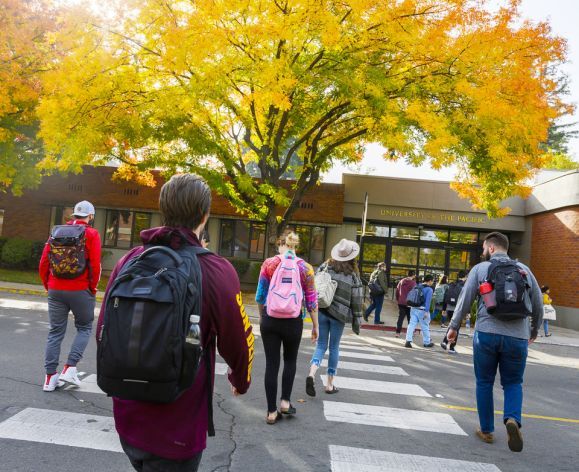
(289, 239)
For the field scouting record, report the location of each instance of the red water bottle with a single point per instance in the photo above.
(487, 292)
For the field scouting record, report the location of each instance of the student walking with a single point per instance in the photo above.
(286, 283)
(450, 300)
(346, 307)
(509, 314)
(438, 296)
(378, 287)
(170, 433)
(419, 300)
(549, 313)
(70, 269)
(402, 289)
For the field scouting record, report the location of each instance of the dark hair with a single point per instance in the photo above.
(544, 288)
(411, 273)
(461, 274)
(498, 239)
(344, 267)
(184, 200)
(443, 279)
(428, 278)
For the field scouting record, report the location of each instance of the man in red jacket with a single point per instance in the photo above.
(71, 294)
(172, 436)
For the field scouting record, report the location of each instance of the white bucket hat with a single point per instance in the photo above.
(345, 250)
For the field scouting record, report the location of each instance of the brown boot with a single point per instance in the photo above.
(489, 438)
(515, 436)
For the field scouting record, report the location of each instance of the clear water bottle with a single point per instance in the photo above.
(194, 334)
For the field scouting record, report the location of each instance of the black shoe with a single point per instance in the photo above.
(378, 322)
(428, 345)
(365, 318)
(408, 344)
(310, 388)
(443, 345)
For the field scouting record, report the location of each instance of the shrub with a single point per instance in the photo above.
(254, 272)
(36, 254)
(16, 253)
(2, 242)
(240, 265)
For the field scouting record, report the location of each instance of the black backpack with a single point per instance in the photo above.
(453, 292)
(416, 297)
(513, 300)
(67, 251)
(142, 351)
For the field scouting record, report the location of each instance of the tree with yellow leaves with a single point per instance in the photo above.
(23, 56)
(237, 89)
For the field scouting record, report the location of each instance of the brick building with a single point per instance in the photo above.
(412, 224)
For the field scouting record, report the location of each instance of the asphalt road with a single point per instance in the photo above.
(383, 421)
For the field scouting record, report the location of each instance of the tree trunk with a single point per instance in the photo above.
(272, 231)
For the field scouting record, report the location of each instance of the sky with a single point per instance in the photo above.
(563, 15)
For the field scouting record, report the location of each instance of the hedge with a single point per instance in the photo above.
(17, 253)
(240, 265)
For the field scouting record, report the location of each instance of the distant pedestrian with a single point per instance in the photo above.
(549, 313)
(286, 283)
(402, 289)
(451, 299)
(502, 333)
(346, 307)
(419, 300)
(438, 296)
(205, 239)
(166, 346)
(70, 269)
(378, 287)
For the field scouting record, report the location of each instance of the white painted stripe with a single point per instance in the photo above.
(352, 459)
(374, 368)
(88, 385)
(351, 343)
(387, 417)
(361, 348)
(378, 386)
(63, 428)
(363, 355)
(28, 305)
(220, 368)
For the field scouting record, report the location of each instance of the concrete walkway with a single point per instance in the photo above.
(560, 336)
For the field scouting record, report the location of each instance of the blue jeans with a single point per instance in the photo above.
(376, 304)
(422, 317)
(510, 356)
(330, 330)
(546, 327)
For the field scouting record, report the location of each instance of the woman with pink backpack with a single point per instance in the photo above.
(286, 285)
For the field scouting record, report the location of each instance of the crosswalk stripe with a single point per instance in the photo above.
(351, 343)
(352, 459)
(220, 368)
(62, 428)
(88, 385)
(374, 368)
(29, 305)
(379, 386)
(361, 348)
(363, 355)
(387, 417)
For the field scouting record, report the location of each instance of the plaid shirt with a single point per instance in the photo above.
(347, 302)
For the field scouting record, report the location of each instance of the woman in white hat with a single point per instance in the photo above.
(346, 307)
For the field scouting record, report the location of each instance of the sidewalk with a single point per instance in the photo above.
(560, 337)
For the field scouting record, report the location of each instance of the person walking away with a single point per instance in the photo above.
(286, 282)
(346, 307)
(509, 312)
(70, 269)
(173, 435)
(450, 300)
(419, 300)
(402, 289)
(378, 287)
(438, 296)
(549, 313)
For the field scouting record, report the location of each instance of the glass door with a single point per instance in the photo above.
(373, 251)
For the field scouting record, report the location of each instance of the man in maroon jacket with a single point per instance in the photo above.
(76, 295)
(402, 289)
(173, 436)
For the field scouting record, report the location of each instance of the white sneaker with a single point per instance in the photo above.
(70, 375)
(51, 382)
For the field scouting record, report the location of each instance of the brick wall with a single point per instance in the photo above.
(28, 216)
(555, 254)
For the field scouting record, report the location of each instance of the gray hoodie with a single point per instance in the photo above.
(486, 323)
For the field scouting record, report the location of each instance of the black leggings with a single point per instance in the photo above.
(274, 332)
(403, 312)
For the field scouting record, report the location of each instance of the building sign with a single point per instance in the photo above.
(433, 217)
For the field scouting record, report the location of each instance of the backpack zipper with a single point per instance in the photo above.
(116, 304)
(160, 271)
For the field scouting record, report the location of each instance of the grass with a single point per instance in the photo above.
(31, 277)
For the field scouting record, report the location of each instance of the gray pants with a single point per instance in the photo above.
(60, 303)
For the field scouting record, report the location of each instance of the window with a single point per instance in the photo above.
(404, 255)
(375, 230)
(432, 257)
(242, 239)
(123, 228)
(404, 232)
(312, 246)
(440, 235)
(463, 237)
(62, 215)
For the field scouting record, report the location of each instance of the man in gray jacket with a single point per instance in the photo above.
(498, 344)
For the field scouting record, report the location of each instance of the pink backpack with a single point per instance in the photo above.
(285, 295)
